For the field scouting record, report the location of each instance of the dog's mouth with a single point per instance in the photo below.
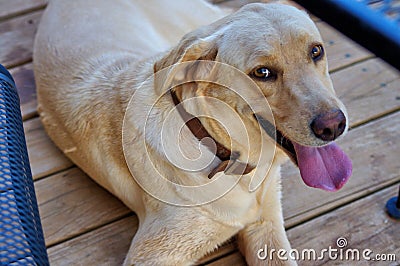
(284, 143)
(325, 167)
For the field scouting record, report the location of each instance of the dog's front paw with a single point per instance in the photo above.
(271, 256)
(264, 244)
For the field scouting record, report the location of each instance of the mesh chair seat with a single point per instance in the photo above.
(21, 235)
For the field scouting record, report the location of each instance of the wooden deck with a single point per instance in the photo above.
(85, 225)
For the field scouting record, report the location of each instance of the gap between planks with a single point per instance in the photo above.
(15, 8)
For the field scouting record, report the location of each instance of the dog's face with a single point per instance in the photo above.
(281, 50)
(284, 54)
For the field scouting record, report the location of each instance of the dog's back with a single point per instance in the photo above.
(82, 44)
(79, 50)
(77, 38)
(73, 31)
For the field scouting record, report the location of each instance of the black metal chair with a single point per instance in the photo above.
(21, 235)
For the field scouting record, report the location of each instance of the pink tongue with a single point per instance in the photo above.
(326, 167)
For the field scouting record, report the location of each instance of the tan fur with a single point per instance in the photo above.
(90, 55)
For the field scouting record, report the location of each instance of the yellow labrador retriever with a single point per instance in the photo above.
(176, 108)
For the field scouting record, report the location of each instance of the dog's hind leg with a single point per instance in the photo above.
(173, 235)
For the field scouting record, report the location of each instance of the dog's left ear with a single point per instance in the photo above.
(284, 2)
(190, 48)
(187, 62)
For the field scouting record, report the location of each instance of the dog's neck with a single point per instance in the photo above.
(230, 164)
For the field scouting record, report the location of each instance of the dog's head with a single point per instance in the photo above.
(280, 49)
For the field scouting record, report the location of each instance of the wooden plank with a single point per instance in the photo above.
(374, 150)
(14, 8)
(25, 82)
(364, 224)
(234, 259)
(224, 250)
(107, 246)
(70, 203)
(16, 39)
(45, 158)
(340, 50)
(369, 90)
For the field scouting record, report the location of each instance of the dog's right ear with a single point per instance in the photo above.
(182, 63)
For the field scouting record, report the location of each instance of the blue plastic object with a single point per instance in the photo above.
(393, 206)
(21, 235)
(375, 24)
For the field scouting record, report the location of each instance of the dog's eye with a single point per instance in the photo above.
(263, 73)
(317, 52)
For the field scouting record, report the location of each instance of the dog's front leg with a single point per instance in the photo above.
(264, 242)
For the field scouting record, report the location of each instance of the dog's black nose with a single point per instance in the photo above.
(329, 126)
